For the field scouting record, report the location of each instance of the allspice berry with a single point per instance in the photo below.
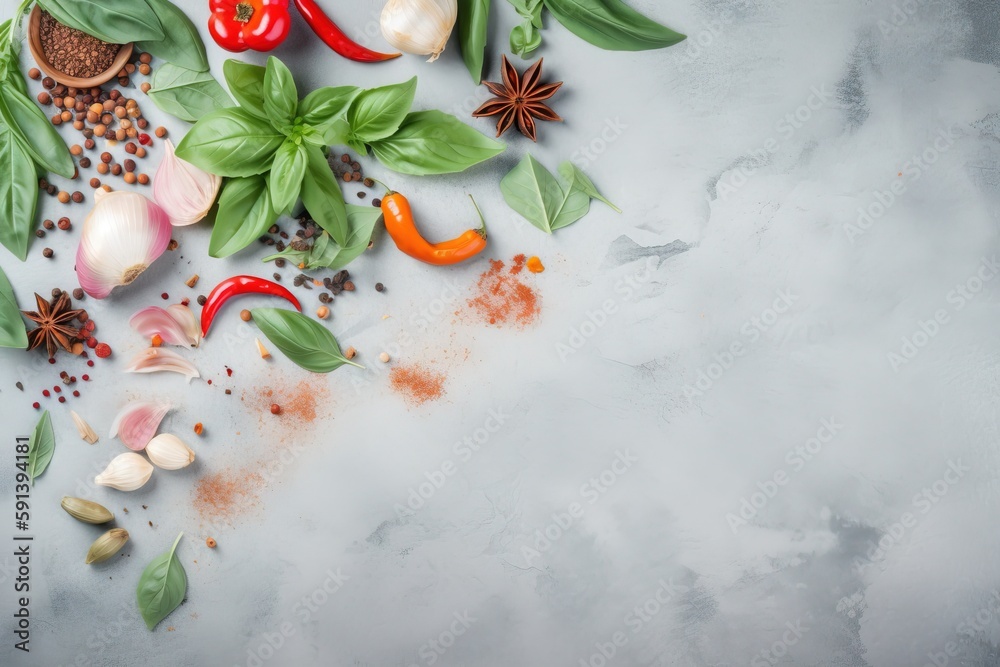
(245, 315)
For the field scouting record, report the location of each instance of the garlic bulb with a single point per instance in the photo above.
(136, 423)
(169, 452)
(126, 472)
(421, 27)
(121, 237)
(183, 190)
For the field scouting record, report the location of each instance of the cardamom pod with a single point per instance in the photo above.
(86, 510)
(107, 545)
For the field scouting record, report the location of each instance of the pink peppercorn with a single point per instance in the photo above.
(62, 399)
(86, 378)
(76, 393)
(145, 139)
(45, 393)
(57, 389)
(52, 360)
(90, 362)
(36, 405)
(91, 343)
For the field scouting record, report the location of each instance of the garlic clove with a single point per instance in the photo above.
(184, 316)
(156, 359)
(421, 27)
(136, 423)
(169, 452)
(124, 233)
(155, 320)
(126, 472)
(183, 190)
(83, 427)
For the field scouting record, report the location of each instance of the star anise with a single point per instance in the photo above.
(53, 320)
(520, 99)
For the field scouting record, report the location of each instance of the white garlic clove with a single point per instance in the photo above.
(169, 452)
(421, 27)
(126, 472)
(183, 190)
(155, 359)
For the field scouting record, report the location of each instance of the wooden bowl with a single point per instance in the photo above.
(35, 46)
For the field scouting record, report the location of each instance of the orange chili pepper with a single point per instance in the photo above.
(403, 230)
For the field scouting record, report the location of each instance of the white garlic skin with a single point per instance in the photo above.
(169, 452)
(420, 27)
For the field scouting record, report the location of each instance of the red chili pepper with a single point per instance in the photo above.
(240, 285)
(335, 37)
(238, 25)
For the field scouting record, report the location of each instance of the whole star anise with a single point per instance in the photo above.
(520, 99)
(53, 320)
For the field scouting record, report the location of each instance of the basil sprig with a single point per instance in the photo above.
(303, 340)
(161, 587)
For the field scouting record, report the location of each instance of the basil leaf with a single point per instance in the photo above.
(186, 93)
(377, 113)
(322, 197)
(18, 195)
(525, 39)
(324, 108)
(575, 205)
(41, 446)
(303, 340)
(114, 21)
(327, 253)
(580, 181)
(533, 192)
(246, 84)
(612, 25)
(287, 173)
(433, 142)
(473, 24)
(12, 333)
(280, 96)
(35, 133)
(245, 212)
(181, 44)
(230, 142)
(162, 586)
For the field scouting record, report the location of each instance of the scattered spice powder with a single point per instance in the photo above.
(502, 298)
(227, 493)
(417, 384)
(74, 52)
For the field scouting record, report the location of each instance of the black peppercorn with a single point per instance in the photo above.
(47, 253)
(201, 299)
(379, 287)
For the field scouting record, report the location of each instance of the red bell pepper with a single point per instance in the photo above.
(238, 25)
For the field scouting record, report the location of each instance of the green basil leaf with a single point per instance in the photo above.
(162, 586)
(531, 10)
(473, 24)
(10, 50)
(41, 446)
(533, 192)
(35, 133)
(525, 39)
(302, 339)
(287, 172)
(114, 21)
(231, 142)
(580, 181)
(612, 25)
(322, 197)
(377, 113)
(433, 142)
(181, 43)
(280, 95)
(12, 333)
(246, 84)
(245, 212)
(326, 253)
(18, 194)
(186, 93)
(324, 109)
(575, 205)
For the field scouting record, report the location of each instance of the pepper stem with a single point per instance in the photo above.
(482, 230)
(388, 190)
(244, 11)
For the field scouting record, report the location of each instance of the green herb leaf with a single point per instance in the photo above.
(324, 110)
(114, 21)
(280, 95)
(433, 142)
(245, 212)
(18, 196)
(181, 43)
(322, 197)
(377, 113)
(231, 142)
(473, 24)
(246, 84)
(287, 172)
(327, 253)
(12, 333)
(41, 446)
(300, 338)
(580, 181)
(35, 133)
(533, 192)
(162, 586)
(612, 25)
(525, 39)
(186, 93)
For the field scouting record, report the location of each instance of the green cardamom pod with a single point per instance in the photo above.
(86, 511)
(107, 545)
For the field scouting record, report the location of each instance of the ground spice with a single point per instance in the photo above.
(502, 298)
(74, 52)
(417, 384)
(518, 264)
(227, 494)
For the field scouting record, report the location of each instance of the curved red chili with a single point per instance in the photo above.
(234, 286)
(335, 38)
